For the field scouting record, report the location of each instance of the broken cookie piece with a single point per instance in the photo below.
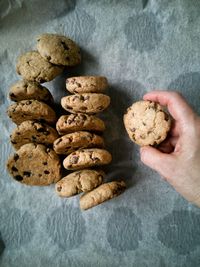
(102, 193)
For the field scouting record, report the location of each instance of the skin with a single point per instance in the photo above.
(177, 159)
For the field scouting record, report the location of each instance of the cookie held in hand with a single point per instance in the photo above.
(147, 123)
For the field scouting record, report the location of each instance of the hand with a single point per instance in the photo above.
(178, 158)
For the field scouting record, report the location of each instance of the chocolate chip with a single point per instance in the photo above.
(18, 177)
(33, 137)
(13, 142)
(74, 159)
(41, 130)
(68, 107)
(81, 98)
(47, 150)
(40, 175)
(26, 173)
(14, 169)
(59, 188)
(46, 172)
(64, 45)
(59, 140)
(44, 163)
(48, 57)
(41, 80)
(83, 108)
(16, 157)
(78, 84)
(12, 95)
(18, 133)
(28, 102)
(100, 107)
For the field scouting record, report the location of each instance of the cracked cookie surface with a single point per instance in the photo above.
(147, 123)
(35, 164)
(79, 122)
(86, 84)
(101, 194)
(33, 132)
(25, 90)
(85, 158)
(79, 181)
(77, 140)
(31, 110)
(58, 49)
(33, 67)
(89, 103)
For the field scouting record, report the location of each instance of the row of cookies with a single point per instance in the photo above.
(81, 143)
(35, 163)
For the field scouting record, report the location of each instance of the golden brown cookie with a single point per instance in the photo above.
(32, 67)
(31, 110)
(25, 90)
(89, 103)
(58, 49)
(102, 193)
(77, 140)
(147, 123)
(86, 84)
(35, 164)
(85, 158)
(79, 122)
(33, 132)
(79, 181)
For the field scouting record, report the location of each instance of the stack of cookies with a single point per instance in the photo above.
(81, 143)
(35, 163)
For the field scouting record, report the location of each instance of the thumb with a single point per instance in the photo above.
(160, 162)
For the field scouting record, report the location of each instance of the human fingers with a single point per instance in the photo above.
(168, 145)
(160, 162)
(176, 104)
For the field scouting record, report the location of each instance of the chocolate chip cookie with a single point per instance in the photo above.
(77, 140)
(35, 164)
(58, 49)
(147, 123)
(25, 90)
(85, 158)
(31, 110)
(33, 67)
(79, 181)
(101, 194)
(89, 103)
(33, 132)
(79, 122)
(86, 84)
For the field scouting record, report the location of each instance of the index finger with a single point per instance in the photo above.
(176, 104)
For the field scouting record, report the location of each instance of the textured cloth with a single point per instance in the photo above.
(138, 45)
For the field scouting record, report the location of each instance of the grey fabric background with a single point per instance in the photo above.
(139, 45)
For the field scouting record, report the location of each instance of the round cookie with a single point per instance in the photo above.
(86, 84)
(32, 67)
(25, 90)
(89, 103)
(79, 122)
(31, 110)
(33, 132)
(35, 164)
(101, 194)
(147, 123)
(79, 181)
(85, 158)
(77, 140)
(58, 49)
